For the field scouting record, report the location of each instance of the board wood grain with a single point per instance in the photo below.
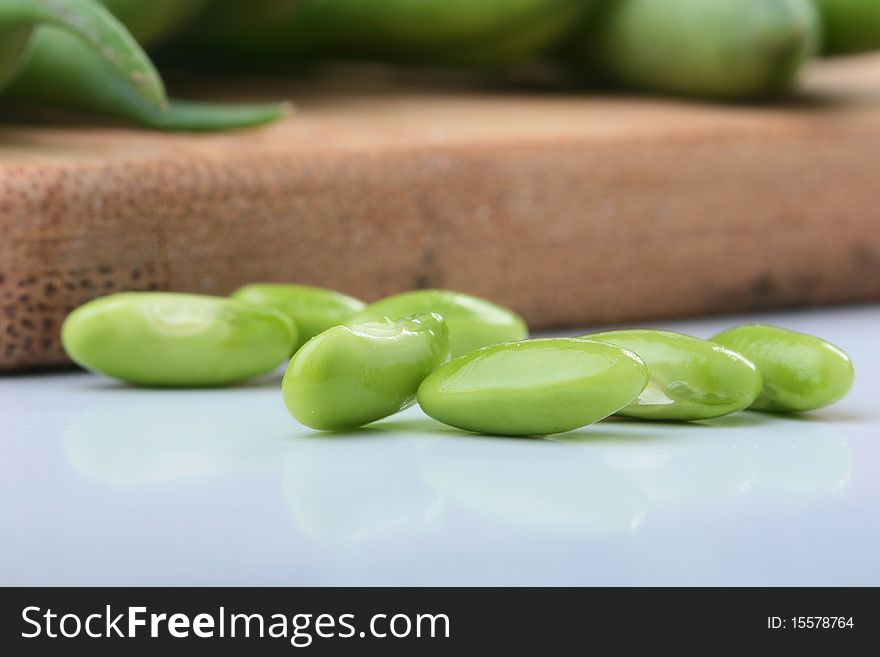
(573, 209)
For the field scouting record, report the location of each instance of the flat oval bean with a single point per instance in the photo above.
(725, 49)
(313, 309)
(177, 340)
(533, 387)
(801, 372)
(690, 379)
(851, 26)
(349, 376)
(472, 322)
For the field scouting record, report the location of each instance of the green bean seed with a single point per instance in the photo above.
(349, 376)
(801, 372)
(726, 49)
(472, 322)
(313, 309)
(851, 26)
(533, 387)
(691, 379)
(177, 340)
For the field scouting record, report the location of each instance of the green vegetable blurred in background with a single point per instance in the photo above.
(72, 54)
(721, 49)
(155, 21)
(453, 32)
(851, 26)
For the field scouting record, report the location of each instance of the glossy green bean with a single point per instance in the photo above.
(472, 322)
(177, 340)
(533, 387)
(349, 376)
(851, 26)
(313, 309)
(724, 49)
(691, 379)
(92, 28)
(801, 372)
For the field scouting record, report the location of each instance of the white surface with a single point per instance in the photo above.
(104, 484)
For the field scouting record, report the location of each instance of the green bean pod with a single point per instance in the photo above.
(165, 339)
(92, 28)
(61, 72)
(472, 322)
(349, 376)
(490, 32)
(533, 387)
(851, 26)
(801, 372)
(723, 49)
(690, 379)
(313, 309)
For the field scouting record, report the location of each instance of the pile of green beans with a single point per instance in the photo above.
(469, 363)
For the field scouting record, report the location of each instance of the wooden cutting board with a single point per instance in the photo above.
(572, 209)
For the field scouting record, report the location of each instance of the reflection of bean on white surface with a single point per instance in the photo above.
(684, 468)
(350, 490)
(126, 436)
(752, 453)
(560, 488)
(801, 457)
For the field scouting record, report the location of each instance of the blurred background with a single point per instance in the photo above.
(581, 161)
